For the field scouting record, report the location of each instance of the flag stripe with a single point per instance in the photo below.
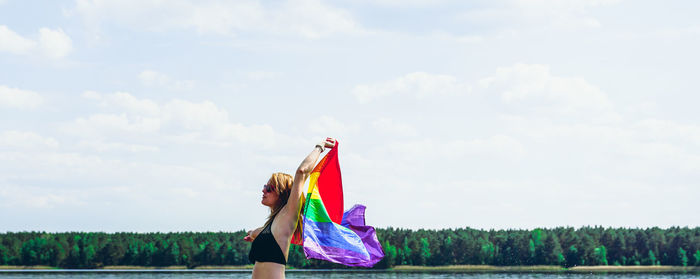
(330, 234)
(316, 212)
(336, 255)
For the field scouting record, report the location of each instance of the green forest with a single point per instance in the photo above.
(563, 246)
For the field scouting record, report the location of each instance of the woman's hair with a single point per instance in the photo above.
(282, 183)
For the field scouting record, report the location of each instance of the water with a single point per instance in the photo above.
(335, 274)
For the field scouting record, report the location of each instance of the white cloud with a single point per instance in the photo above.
(389, 126)
(117, 146)
(14, 43)
(19, 139)
(327, 125)
(419, 84)
(306, 18)
(153, 78)
(656, 129)
(149, 77)
(111, 125)
(636, 149)
(220, 17)
(93, 95)
(551, 129)
(79, 180)
(262, 135)
(466, 39)
(668, 33)
(78, 186)
(261, 75)
(526, 86)
(177, 120)
(536, 14)
(313, 19)
(18, 98)
(214, 124)
(194, 116)
(53, 44)
(563, 5)
(404, 3)
(498, 145)
(125, 101)
(534, 85)
(36, 197)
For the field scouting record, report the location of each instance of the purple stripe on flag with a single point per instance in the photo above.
(352, 243)
(354, 219)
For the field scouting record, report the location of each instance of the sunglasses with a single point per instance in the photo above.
(268, 188)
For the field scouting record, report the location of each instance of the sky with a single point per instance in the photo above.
(147, 115)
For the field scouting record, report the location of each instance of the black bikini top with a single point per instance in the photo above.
(265, 248)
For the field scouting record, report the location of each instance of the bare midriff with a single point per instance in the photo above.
(268, 270)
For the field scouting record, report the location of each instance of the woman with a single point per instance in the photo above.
(283, 194)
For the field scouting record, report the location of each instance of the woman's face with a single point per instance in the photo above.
(270, 197)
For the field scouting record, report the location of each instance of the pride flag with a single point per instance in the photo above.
(328, 233)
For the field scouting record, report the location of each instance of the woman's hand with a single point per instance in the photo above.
(248, 237)
(252, 234)
(327, 143)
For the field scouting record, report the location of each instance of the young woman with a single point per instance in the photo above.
(282, 194)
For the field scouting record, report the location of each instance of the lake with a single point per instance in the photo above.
(336, 274)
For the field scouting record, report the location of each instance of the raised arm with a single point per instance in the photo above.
(291, 210)
(304, 170)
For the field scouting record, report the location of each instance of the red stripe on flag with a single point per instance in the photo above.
(330, 185)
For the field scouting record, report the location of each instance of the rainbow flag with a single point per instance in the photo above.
(328, 233)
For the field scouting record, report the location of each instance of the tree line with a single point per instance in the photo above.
(563, 246)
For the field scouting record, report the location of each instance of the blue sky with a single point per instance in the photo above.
(171, 115)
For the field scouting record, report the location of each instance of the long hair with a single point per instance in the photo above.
(282, 183)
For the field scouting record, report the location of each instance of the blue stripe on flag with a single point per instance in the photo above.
(333, 235)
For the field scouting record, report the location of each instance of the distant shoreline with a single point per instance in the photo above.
(551, 269)
(406, 268)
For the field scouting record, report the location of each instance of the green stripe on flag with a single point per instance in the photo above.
(316, 211)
